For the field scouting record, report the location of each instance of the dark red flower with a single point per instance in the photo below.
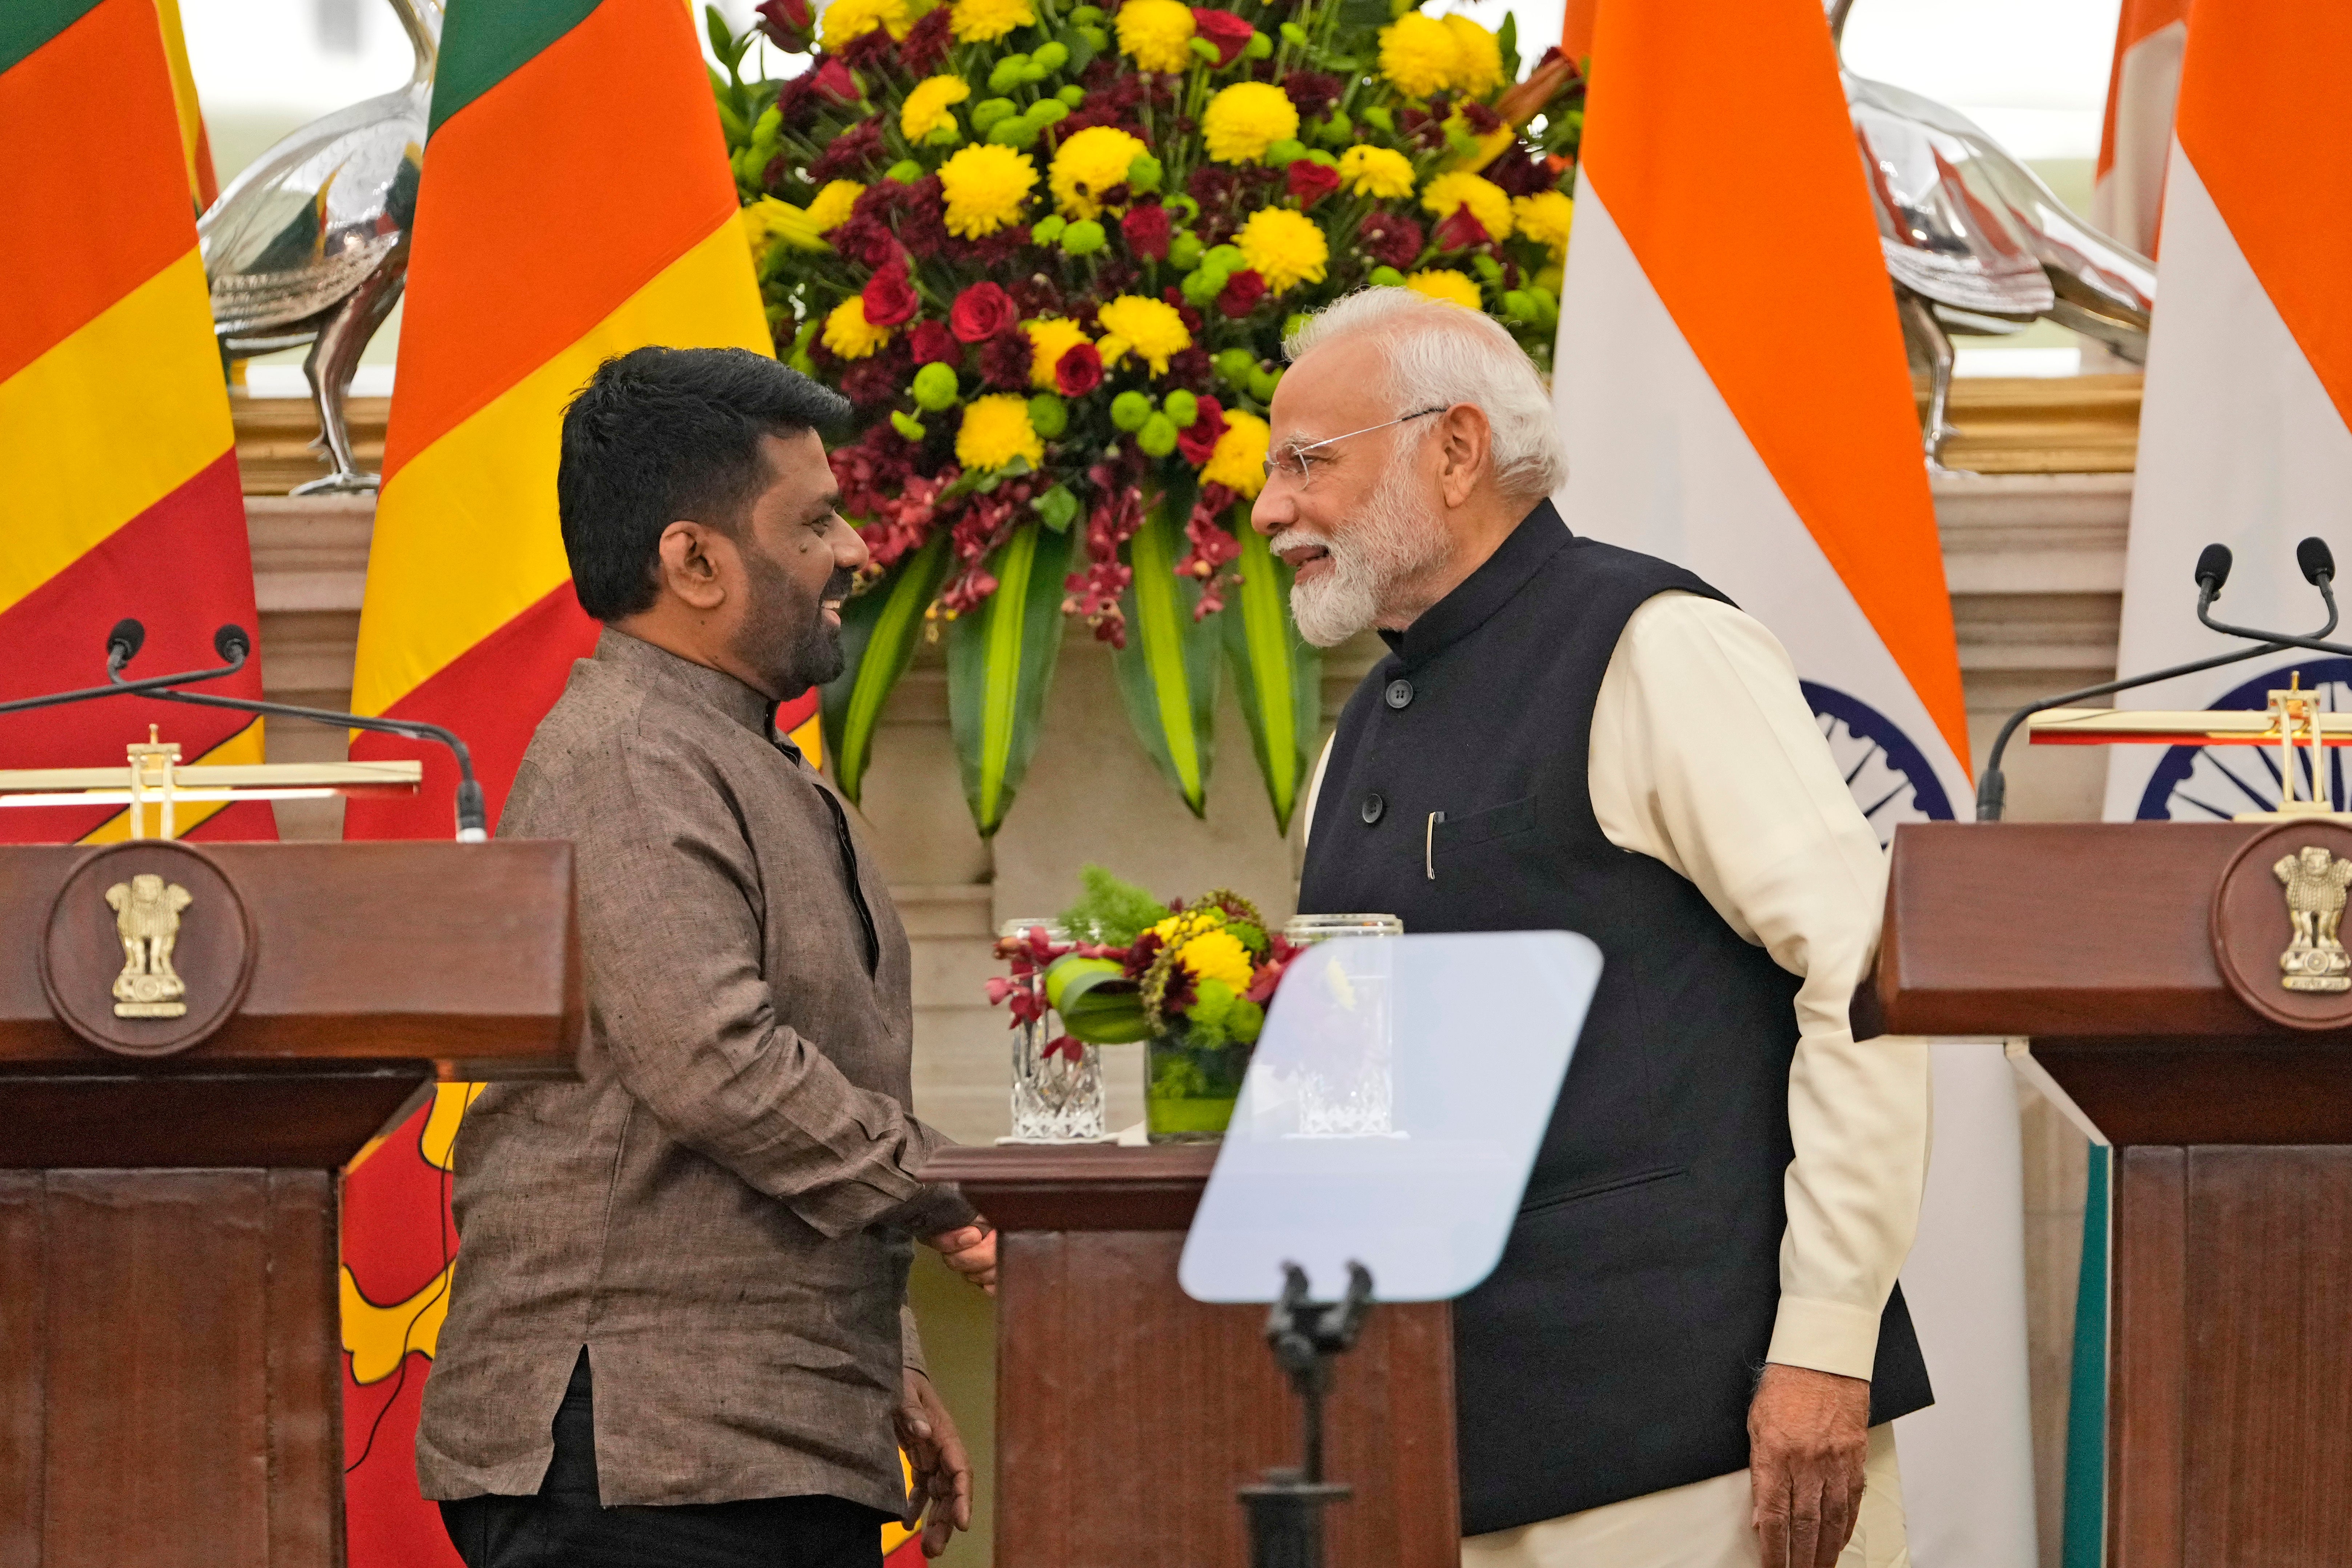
(1241, 292)
(980, 312)
(1310, 181)
(1035, 295)
(1312, 92)
(1392, 239)
(1197, 441)
(788, 23)
(1211, 186)
(932, 343)
(1004, 359)
(870, 50)
(1460, 229)
(925, 43)
(1146, 227)
(889, 298)
(849, 154)
(871, 382)
(1189, 369)
(1223, 28)
(833, 80)
(1480, 119)
(1079, 370)
(868, 239)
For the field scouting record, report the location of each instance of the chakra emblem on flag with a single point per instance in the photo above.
(2315, 881)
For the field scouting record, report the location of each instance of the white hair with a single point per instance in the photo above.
(1439, 354)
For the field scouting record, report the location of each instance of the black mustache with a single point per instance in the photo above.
(837, 586)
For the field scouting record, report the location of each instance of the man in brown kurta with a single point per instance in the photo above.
(677, 1333)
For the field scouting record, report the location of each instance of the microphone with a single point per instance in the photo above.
(232, 643)
(123, 643)
(2212, 570)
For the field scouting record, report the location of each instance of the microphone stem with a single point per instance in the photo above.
(120, 688)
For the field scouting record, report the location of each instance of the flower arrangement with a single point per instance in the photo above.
(1049, 252)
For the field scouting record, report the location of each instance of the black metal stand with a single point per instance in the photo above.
(1285, 1509)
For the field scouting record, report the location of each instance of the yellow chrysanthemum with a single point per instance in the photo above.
(847, 19)
(849, 335)
(985, 187)
(1368, 171)
(1217, 955)
(1239, 461)
(1147, 327)
(1285, 248)
(1245, 119)
(1486, 201)
(1545, 218)
(832, 206)
(985, 21)
(1478, 57)
(1157, 35)
(994, 431)
(1444, 283)
(1089, 163)
(1167, 928)
(926, 108)
(1419, 55)
(1049, 340)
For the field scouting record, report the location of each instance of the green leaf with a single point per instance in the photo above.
(1278, 673)
(1000, 665)
(1097, 1003)
(1167, 670)
(879, 631)
(1507, 38)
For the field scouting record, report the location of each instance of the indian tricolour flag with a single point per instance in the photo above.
(1732, 384)
(2127, 197)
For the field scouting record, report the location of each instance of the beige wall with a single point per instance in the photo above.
(2035, 567)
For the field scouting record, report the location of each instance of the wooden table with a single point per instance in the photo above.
(1127, 1413)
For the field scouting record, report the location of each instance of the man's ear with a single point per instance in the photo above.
(1464, 440)
(689, 567)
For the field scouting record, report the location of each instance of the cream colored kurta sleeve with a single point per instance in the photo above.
(1705, 755)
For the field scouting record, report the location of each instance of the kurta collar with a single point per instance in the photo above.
(713, 688)
(1484, 591)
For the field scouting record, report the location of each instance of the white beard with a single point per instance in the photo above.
(1394, 541)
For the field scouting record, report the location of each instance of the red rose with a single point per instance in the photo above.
(833, 80)
(981, 311)
(1241, 292)
(1223, 28)
(1146, 227)
(787, 22)
(1197, 441)
(889, 299)
(1310, 181)
(1079, 370)
(932, 343)
(1460, 231)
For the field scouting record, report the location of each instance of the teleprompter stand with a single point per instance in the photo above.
(1285, 1509)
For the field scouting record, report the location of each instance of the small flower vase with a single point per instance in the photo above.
(1057, 1098)
(1189, 1088)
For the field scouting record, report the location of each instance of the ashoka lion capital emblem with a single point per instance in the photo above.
(2315, 881)
(147, 916)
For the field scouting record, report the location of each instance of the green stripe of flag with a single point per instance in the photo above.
(27, 25)
(483, 42)
(2084, 1540)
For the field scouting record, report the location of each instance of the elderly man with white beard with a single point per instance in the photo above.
(1691, 1351)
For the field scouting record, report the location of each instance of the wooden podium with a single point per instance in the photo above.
(1127, 1413)
(170, 1386)
(2148, 961)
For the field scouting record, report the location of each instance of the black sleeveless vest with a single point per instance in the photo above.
(1615, 1348)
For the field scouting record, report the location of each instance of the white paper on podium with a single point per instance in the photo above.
(1390, 1115)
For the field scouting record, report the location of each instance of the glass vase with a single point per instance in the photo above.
(1055, 1098)
(1351, 1093)
(1189, 1088)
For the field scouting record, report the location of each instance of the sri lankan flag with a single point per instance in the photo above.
(118, 493)
(575, 204)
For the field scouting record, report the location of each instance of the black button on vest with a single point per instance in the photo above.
(1613, 1351)
(1400, 692)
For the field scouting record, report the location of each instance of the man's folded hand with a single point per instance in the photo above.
(938, 1494)
(971, 1251)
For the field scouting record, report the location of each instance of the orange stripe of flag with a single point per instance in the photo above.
(1826, 402)
(518, 176)
(2138, 20)
(2263, 117)
(92, 183)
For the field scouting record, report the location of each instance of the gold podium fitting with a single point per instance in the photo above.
(155, 781)
(2294, 718)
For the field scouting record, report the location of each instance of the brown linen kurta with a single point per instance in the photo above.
(721, 1212)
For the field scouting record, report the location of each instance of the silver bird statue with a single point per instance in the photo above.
(1975, 243)
(310, 244)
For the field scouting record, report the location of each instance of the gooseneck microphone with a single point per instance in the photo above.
(233, 646)
(122, 644)
(129, 636)
(2213, 562)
